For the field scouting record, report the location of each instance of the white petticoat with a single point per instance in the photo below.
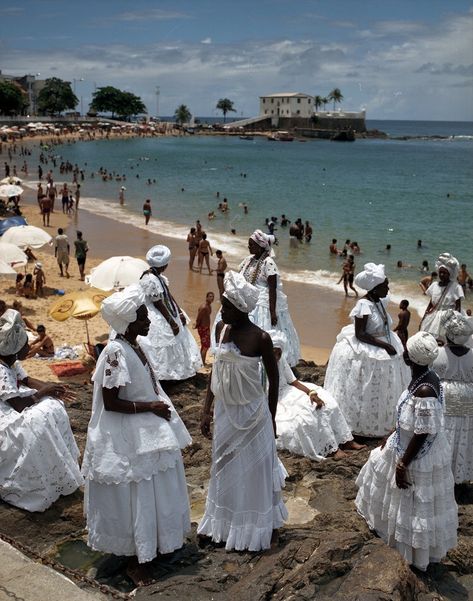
(366, 382)
(420, 522)
(38, 455)
(305, 430)
(459, 431)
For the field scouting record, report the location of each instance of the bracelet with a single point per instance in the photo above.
(134, 406)
(401, 465)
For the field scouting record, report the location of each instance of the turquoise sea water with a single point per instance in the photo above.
(374, 191)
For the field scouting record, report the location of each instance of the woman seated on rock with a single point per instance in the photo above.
(308, 420)
(38, 453)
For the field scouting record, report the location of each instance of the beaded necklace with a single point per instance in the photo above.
(384, 317)
(144, 359)
(167, 298)
(252, 277)
(430, 438)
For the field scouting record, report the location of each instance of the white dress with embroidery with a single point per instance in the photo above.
(135, 494)
(420, 521)
(172, 357)
(244, 503)
(442, 298)
(302, 428)
(456, 374)
(38, 452)
(364, 380)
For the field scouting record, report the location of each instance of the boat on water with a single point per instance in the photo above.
(280, 136)
(246, 137)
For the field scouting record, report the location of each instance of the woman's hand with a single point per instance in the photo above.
(205, 421)
(273, 419)
(390, 350)
(161, 409)
(56, 390)
(401, 476)
(314, 398)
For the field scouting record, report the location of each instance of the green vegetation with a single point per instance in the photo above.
(182, 114)
(13, 99)
(317, 102)
(226, 106)
(56, 96)
(112, 100)
(335, 96)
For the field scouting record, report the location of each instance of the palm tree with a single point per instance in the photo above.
(324, 101)
(336, 96)
(318, 102)
(225, 105)
(182, 114)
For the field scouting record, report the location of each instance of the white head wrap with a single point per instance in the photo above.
(279, 339)
(449, 262)
(422, 348)
(158, 256)
(370, 277)
(239, 292)
(13, 336)
(119, 309)
(458, 327)
(262, 239)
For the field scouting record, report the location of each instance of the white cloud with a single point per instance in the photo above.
(153, 14)
(206, 41)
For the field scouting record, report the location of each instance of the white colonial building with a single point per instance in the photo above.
(287, 105)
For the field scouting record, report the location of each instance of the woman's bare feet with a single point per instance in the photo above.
(140, 573)
(351, 445)
(339, 454)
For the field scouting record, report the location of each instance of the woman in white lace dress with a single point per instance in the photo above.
(406, 488)
(444, 295)
(172, 350)
(366, 373)
(454, 367)
(244, 504)
(136, 500)
(308, 420)
(38, 453)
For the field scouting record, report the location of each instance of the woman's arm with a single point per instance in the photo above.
(300, 386)
(206, 414)
(272, 372)
(272, 285)
(458, 305)
(361, 334)
(112, 402)
(161, 307)
(48, 389)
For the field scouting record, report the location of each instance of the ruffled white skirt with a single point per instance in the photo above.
(244, 502)
(172, 357)
(459, 432)
(420, 522)
(366, 382)
(304, 430)
(38, 456)
(139, 517)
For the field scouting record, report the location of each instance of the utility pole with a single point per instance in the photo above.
(158, 91)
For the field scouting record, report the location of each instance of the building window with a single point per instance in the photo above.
(298, 112)
(264, 100)
(298, 101)
(308, 100)
(265, 112)
(272, 100)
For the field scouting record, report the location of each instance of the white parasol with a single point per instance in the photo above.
(9, 190)
(26, 235)
(116, 272)
(6, 270)
(11, 179)
(11, 254)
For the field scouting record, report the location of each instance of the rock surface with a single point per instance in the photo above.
(325, 552)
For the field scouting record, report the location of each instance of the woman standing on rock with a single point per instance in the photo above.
(365, 373)
(406, 488)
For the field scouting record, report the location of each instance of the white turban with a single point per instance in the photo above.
(458, 327)
(119, 309)
(370, 277)
(262, 239)
(239, 292)
(13, 336)
(279, 339)
(449, 262)
(158, 256)
(422, 348)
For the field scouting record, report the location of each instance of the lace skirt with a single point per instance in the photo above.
(366, 387)
(420, 522)
(459, 432)
(38, 457)
(244, 503)
(139, 518)
(304, 430)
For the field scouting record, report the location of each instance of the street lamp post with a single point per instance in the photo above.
(74, 81)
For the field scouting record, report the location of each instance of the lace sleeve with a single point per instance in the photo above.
(20, 372)
(114, 367)
(151, 286)
(270, 267)
(287, 372)
(363, 307)
(8, 383)
(243, 264)
(427, 415)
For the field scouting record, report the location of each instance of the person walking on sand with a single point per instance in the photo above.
(221, 268)
(77, 197)
(81, 254)
(147, 210)
(40, 279)
(121, 195)
(46, 204)
(404, 318)
(61, 252)
(202, 324)
(192, 245)
(348, 275)
(205, 250)
(65, 198)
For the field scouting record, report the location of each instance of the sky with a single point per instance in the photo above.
(398, 59)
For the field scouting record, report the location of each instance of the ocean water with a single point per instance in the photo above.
(374, 191)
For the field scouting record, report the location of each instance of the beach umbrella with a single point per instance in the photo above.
(9, 190)
(11, 254)
(26, 235)
(6, 270)
(11, 179)
(116, 272)
(82, 304)
(6, 224)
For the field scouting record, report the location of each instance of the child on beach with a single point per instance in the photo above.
(40, 279)
(202, 324)
(42, 345)
(404, 318)
(28, 286)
